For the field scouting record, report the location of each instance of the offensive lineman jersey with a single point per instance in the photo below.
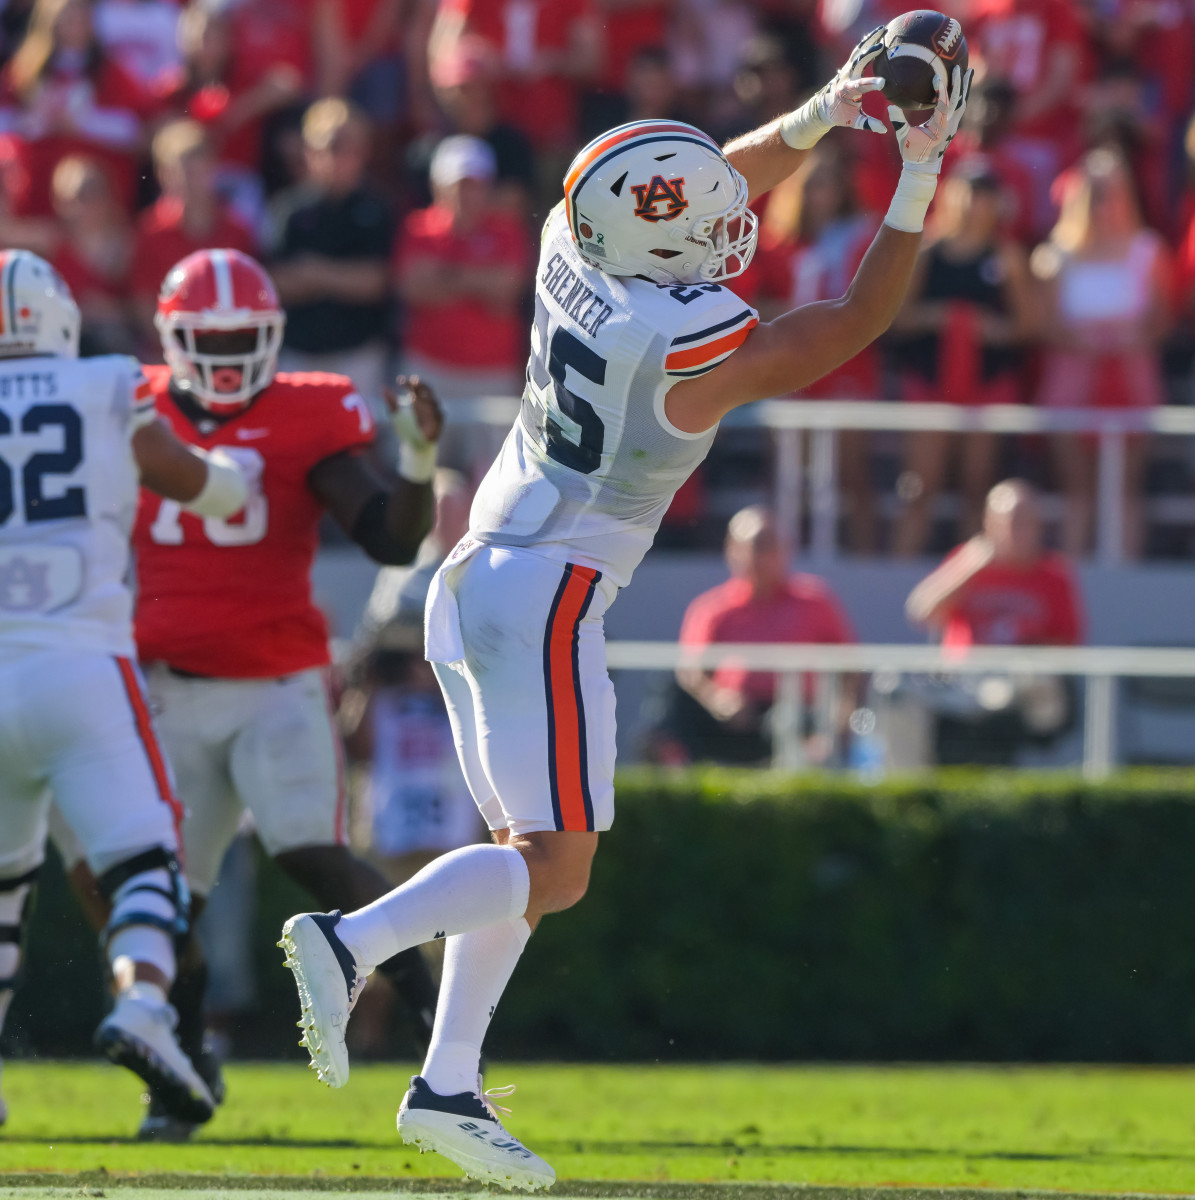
(592, 463)
(68, 494)
(232, 598)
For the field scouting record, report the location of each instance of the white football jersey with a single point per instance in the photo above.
(592, 463)
(68, 495)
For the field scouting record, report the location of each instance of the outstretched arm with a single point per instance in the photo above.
(773, 152)
(387, 513)
(209, 483)
(808, 342)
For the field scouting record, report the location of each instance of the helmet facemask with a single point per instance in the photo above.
(730, 238)
(201, 352)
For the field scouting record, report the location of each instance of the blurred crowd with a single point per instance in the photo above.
(391, 160)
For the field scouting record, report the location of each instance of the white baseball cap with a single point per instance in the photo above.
(462, 157)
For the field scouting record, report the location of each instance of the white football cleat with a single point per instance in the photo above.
(329, 983)
(465, 1129)
(139, 1034)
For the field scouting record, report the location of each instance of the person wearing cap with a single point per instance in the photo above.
(958, 341)
(330, 253)
(463, 265)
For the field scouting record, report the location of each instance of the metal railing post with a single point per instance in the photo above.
(1099, 726)
(788, 714)
(1110, 493)
(789, 473)
(823, 470)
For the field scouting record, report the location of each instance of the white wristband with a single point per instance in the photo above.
(803, 128)
(417, 464)
(911, 200)
(226, 490)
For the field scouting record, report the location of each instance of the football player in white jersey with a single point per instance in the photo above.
(637, 351)
(76, 439)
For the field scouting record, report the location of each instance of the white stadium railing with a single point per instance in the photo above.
(1099, 666)
(823, 420)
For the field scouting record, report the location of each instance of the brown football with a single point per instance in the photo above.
(911, 41)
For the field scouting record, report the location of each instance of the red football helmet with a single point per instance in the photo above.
(221, 327)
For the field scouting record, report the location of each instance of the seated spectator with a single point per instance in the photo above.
(142, 35)
(815, 235)
(189, 215)
(1001, 588)
(463, 266)
(232, 96)
(464, 87)
(94, 255)
(956, 342)
(1104, 296)
(723, 715)
(331, 254)
(61, 94)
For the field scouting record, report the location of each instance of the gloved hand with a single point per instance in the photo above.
(838, 103)
(922, 146)
(418, 422)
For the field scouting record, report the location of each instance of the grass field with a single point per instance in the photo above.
(628, 1131)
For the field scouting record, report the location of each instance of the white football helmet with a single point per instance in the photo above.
(38, 314)
(659, 198)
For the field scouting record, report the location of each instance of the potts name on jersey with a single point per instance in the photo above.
(68, 492)
(592, 463)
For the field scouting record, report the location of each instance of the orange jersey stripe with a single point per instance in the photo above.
(615, 139)
(678, 360)
(145, 730)
(570, 784)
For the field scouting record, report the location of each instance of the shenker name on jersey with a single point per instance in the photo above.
(580, 302)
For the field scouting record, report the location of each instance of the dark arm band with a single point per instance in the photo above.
(371, 534)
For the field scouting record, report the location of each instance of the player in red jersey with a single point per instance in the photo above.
(235, 650)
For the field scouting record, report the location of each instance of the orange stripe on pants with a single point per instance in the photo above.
(567, 753)
(149, 739)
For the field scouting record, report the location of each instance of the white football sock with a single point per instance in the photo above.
(477, 968)
(459, 892)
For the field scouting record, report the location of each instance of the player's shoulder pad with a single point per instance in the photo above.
(314, 385)
(708, 325)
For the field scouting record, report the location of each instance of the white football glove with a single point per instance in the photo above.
(416, 451)
(838, 103)
(922, 146)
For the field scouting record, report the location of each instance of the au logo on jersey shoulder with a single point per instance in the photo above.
(667, 192)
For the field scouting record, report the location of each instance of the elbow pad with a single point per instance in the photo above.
(226, 489)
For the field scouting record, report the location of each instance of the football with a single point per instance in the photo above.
(911, 44)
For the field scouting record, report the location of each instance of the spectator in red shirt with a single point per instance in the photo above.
(93, 254)
(1002, 588)
(1037, 46)
(188, 216)
(232, 98)
(546, 50)
(723, 714)
(463, 266)
(62, 95)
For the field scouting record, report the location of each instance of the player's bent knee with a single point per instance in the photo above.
(150, 909)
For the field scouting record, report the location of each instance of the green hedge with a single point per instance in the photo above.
(748, 916)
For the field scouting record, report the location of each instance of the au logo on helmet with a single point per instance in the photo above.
(668, 192)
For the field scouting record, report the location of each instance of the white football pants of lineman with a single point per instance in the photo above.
(76, 727)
